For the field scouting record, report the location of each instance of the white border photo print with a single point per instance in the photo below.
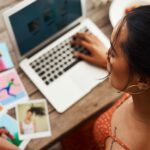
(33, 119)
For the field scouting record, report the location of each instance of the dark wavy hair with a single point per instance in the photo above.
(37, 110)
(137, 45)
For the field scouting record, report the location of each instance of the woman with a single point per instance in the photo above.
(28, 126)
(126, 125)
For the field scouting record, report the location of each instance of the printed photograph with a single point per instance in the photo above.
(9, 132)
(33, 119)
(12, 90)
(5, 59)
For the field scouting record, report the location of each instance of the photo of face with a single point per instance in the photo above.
(34, 25)
(5, 60)
(11, 89)
(9, 131)
(33, 120)
(49, 16)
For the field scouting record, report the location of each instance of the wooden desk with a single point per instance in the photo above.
(87, 107)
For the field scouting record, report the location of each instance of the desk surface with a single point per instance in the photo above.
(90, 105)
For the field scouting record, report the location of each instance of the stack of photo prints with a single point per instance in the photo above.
(32, 120)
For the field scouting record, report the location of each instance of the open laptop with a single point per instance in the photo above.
(41, 31)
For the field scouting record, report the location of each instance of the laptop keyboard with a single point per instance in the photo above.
(57, 60)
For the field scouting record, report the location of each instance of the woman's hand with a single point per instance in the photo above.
(96, 48)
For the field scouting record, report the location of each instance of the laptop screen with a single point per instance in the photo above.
(41, 20)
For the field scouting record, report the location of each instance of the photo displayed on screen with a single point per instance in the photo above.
(41, 20)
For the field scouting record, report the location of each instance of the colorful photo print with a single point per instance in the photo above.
(33, 119)
(5, 60)
(12, 90)
(9, 132)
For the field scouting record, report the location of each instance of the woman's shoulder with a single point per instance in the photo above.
(102, 126)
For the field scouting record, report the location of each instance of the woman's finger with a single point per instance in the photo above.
(84, 57)
(85, 44)
(84, 36)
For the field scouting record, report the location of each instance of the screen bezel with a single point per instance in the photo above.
(22, 5)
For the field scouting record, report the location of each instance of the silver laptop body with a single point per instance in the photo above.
(44, 49)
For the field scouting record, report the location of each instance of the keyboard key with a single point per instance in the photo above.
(60, 73)
(43, 78)
(41, 73)
(47, 83)
(51, 80)
(55, 77)
(70, 66)
(38, 69)
(48, 75)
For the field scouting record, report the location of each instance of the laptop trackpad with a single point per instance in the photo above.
(86, 76)
(63, 93)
